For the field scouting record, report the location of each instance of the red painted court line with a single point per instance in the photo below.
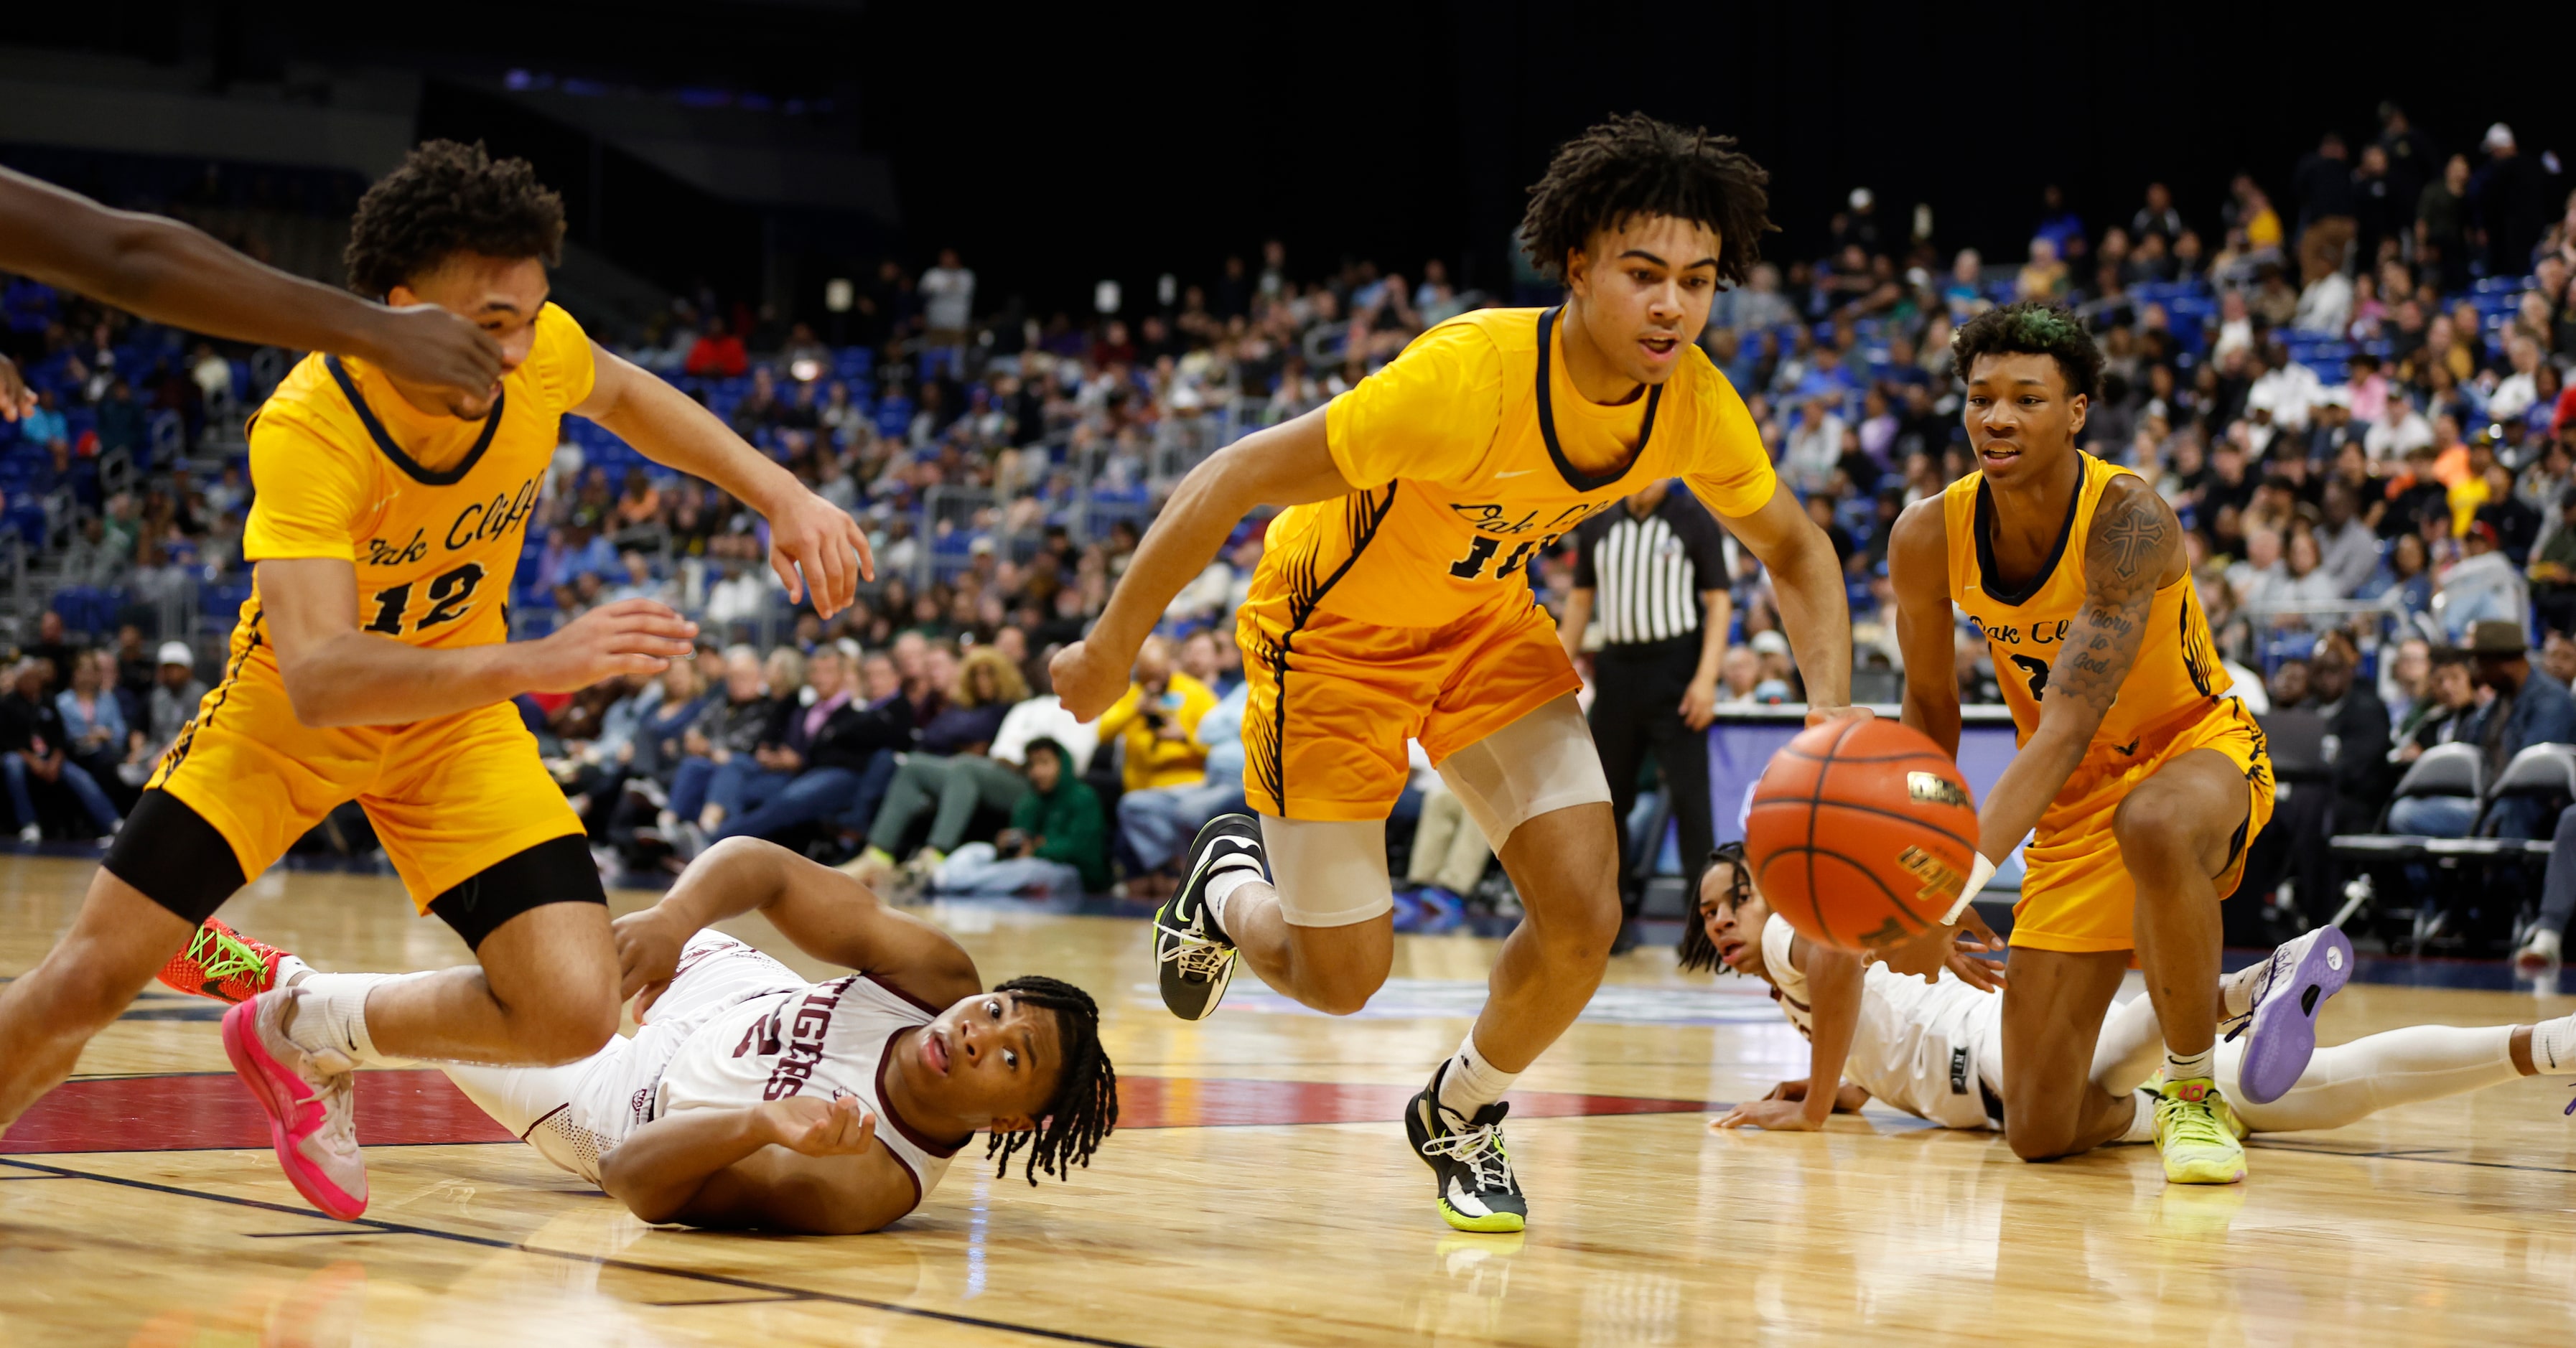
(418, 1107)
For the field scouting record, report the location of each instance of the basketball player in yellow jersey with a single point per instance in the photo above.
(372, 663)
(2145, 781)
(1393, 603)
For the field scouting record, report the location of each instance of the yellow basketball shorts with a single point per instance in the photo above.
(1333, 699)
(449, 797)
(2076, 894)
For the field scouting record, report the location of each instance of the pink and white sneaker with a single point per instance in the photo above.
(309, 1098)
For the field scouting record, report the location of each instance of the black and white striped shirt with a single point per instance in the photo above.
(1647, 574)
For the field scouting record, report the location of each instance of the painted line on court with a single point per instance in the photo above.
(2318, 1149)
(779, 1291)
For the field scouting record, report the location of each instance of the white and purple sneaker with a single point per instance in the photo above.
(2281, 1027)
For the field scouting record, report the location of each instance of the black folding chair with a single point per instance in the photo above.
(2507, 871)
(2382, 858)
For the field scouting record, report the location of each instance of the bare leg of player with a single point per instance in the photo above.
(545, 992)
(1334, 970)
(1566, 866)
(2054, 1001)
(2175, 831)
(120, 939)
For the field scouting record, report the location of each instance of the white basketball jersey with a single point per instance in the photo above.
(824, 1040)
(1926, 1048)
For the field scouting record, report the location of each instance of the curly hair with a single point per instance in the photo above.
(447, 199)
(1010, 687)
(1696, 950)
(1085, 1107)
(1634, 165)
(2031, 328)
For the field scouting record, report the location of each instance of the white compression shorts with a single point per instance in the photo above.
(1331, 873)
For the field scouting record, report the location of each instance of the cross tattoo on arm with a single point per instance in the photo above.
(2134, 534)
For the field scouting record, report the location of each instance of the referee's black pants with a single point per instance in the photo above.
(1636, 710)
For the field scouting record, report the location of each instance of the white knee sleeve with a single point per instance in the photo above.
(1329, 872)
(1543, 762)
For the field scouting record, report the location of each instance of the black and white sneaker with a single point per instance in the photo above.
(1467, 1156)
(1191, 950)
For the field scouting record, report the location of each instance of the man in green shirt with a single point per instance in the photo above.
(1055, 847)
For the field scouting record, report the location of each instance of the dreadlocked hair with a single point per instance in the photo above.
(1633, 166)
(2034, 329)
(1696, 950)
(1085, 1107)
(447, 199)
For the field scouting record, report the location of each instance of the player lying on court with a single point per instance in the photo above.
(372, 662)
(749, 1097)
(1393, 602)
(2144, 780)
(1935, 1050)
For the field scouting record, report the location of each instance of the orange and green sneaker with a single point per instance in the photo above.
(2199, 1134)
(224, 964)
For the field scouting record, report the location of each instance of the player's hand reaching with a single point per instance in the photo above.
(425, 344)
(807, 1126)
(818, 539)
(648, 956)
(631, 636)
(1956, 948)
(16, 399)
(1088, 680)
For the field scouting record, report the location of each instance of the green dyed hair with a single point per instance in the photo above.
(2034, 329)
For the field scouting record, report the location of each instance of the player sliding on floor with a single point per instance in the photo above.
(2146, 783)
(1935, 1050)
(1392, 603)
(372, 663)
(751, 1098)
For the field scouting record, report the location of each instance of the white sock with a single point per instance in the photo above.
(2187, 1066)
(1229, 877)
(1472, 1083)
(2553, 1045)
(2142, 1127)
(333, 1016)
(2237, 989)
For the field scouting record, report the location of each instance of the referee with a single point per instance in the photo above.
(1656, 569)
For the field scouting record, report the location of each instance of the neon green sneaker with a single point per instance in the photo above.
(2198, 1134)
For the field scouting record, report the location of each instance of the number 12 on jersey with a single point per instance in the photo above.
(450, 592)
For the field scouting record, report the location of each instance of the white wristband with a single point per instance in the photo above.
(1978, 875)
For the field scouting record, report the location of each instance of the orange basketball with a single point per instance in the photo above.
(1861, 833)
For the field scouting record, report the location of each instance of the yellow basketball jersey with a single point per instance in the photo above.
(1471, 452)
(2177, 678)
(431, 510)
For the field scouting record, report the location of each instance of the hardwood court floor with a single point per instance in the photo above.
(1261, 1193)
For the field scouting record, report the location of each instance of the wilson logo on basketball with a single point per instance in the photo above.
(1939, 880)
(1935, 789)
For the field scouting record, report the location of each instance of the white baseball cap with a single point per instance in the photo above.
(2499, 137)
(1768, 642)
(178, 653)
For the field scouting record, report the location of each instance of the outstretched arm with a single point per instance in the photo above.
(1807, 580)
(806, 532)
(1918, 565)
(824, 913)
(1283, 465)
(175, 274)
(800, 1164)
(1834, 996)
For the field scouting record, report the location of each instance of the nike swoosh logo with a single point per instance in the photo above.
(2130, 748)
(1525, 472)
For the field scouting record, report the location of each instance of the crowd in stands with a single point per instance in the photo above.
(2354, 399)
